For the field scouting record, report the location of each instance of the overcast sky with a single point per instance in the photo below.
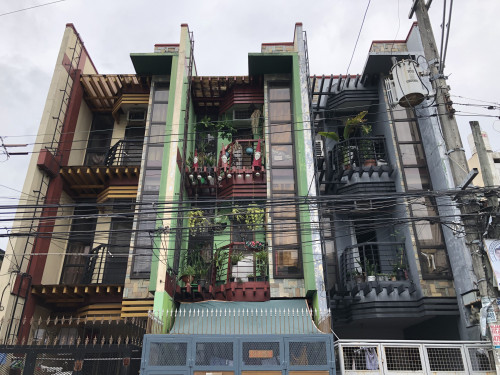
(225, 31)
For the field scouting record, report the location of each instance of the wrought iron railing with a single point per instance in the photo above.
(381, 261)
(124, 152)
(359, 152)
(243, 263)
(99, 266)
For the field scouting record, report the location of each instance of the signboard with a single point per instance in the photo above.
(260, 354)
(495, 335)
(493, 250)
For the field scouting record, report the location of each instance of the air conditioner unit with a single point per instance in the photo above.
(136, 115)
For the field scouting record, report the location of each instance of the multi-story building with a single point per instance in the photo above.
(190, 207)
(493, 158)
(384, 215)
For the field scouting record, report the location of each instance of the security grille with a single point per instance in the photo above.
(50, 363)
(307, 353)
(261, 354)
(11, 363)
(403, 359)
(481, 359)
(361, 358)
(214, 354)
(445, 359)
(168, 354)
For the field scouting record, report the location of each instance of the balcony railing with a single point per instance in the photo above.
(124, 152)
(97, 267)
(237, 166)
(364, 154)
(414, 357)
(373, 261)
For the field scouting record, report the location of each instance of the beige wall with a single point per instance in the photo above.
(80, 139)
(58, 245)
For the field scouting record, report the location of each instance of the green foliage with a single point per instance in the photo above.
(252, 216)
(219, 260)
(262, 262)
(236, 257)
(197, 221)
(350, 127)
(223, 129)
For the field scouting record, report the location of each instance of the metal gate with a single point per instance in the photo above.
(234, 355)
(90, 360)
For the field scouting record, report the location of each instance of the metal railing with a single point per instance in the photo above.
(124, 152)
(413, 357)
(385, 261)
(240, 156)
(359, 152)
(99, 266)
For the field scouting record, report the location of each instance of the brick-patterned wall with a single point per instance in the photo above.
(287, 288)
(276, 48)
(388, 47)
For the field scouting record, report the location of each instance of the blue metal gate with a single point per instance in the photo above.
(236, 355)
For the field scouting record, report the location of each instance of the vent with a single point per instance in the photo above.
(136, 116)
(319, 149)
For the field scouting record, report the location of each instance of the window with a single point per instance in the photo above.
(286, 237)
(99, 139)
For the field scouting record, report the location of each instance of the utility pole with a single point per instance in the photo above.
(455, 151)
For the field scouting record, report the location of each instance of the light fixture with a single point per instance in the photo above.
(199, 177)
(210, 178)
(247, 175)
(257, 174)
(219, 178)
(229, 175)
(191, 177)
(239, 175)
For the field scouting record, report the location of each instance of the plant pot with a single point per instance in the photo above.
(260, 278)
(359, 279)
(251, 278)
(370, 163)
(187, 279)
(202, 282)
(371, 278)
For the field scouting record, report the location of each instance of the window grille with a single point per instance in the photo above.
(403, 359)
(445, 359)
(214, 354)
(168, 354)
(307, 353)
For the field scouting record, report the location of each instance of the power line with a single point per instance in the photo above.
(33, 7)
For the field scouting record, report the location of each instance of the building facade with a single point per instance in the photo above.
(210, 223)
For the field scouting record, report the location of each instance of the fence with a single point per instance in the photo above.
(429, 357)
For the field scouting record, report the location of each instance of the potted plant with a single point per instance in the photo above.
(357, 276)
(251, 277)
(188, 273)
(370, 269)
(219, 260)
(262, 264)
(197, 221)
(236, 257)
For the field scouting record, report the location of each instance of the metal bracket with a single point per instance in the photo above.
(455, 149)
(438, 76)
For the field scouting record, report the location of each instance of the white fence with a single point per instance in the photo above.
(413, 357)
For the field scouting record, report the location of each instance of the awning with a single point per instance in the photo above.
(237, 318)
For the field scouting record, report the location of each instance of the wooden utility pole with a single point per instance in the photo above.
(454, 150)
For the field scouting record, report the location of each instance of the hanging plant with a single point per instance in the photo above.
(197, 221)
(252, 216)
(255, 245)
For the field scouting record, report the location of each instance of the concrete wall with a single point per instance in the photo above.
(81, 136)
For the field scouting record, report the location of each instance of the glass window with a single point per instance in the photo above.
(282, 156)
(160, 112)
(423, 207)
(279, 112)
(282, 179)
(417, 178)
(428, 234)
(412, 154)
(287, 261)
(279, 93)
(154, 156)
(407, 131)
(152, 180)
(285, 232)
(157, 134)
(161, 95)
(434, 262)
(281, 133)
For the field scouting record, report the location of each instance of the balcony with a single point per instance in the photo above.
(376, 265)
(112, 174)
(238, 173)
(241, 278)
(361, 166)
(95, 275)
